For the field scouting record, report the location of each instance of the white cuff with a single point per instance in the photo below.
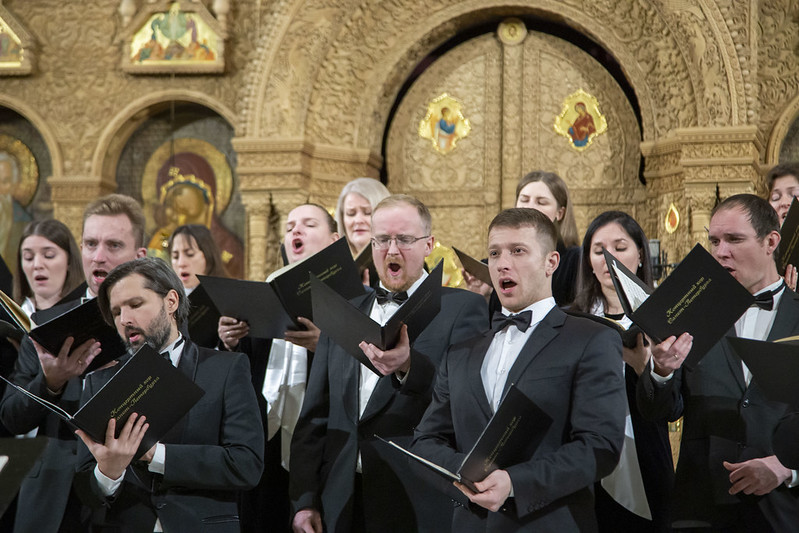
(159, 458)
(108, 486)
(657, 378)
(794, 481)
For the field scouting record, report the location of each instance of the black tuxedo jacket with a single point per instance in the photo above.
(329, 433)
(724, 420)
(215, 451)
(571, 368)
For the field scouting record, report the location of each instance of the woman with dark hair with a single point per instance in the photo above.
(51, 263)
(635, 497)
(783, 186)
(193, 251)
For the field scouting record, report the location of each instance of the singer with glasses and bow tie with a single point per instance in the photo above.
(340, 476)
(728, 478)
(569, 366)
(190, 480)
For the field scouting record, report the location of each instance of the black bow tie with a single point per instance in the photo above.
(521, 321)
(384, 296)
(765, 300)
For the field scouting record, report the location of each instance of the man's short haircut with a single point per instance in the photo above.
(119, 204)
(158, 277)
(520, 217)
(761, 215)
(396, 200)
(791, 168)
(328, 218)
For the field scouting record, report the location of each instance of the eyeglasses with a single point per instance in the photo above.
(404, 242)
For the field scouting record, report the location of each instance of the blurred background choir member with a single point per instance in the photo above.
(354, 209)
(113, 233)
(547, 193)
(193, 251)
(48, 266)
(635, 496)
(280, 370)
(783, 186)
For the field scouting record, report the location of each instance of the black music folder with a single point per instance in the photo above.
(347, 325)
(83, 322)
(474, 267)
(203, 321)
(788, 250)
(6, 277)
(774, 366)
(17, 457)
(273, 307)
(511, 436)
(699, 297)
(147, 384)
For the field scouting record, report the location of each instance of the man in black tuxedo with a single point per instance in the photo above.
(113, 233)
(190, 480)
(728, 477)
(570, 367)
(340, 475)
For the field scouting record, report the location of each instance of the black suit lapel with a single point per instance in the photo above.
(786, 322)
(188, 366)
(547, 330)
(733, 361)
(475, 364)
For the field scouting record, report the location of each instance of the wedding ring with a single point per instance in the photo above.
(676, 356)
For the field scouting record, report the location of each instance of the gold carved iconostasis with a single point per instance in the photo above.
(647, 107)
(524, 94)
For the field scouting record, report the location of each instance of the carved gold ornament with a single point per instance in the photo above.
(672, 220)
(580, 120)
(451, 276)
(444, 124)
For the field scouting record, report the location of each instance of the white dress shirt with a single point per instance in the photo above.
(368, 379)
(505, 348)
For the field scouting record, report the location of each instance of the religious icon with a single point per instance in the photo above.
(580, 121)
(176, 38)
(16, 45)
(19, 177)
(444, 124)
(193, 185)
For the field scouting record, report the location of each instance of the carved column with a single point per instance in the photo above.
(724, 157)
(511, 33)
(71, 194)
(684, 169)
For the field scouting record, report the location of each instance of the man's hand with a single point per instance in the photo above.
(494, 490)
(230, 331)
(307, 521)
(115, 455)
(637, 357)
(757, 476)
(669, 355)
(65, 366)
(474, 284)
(790, 277)
(307, 339)
(397, 359)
